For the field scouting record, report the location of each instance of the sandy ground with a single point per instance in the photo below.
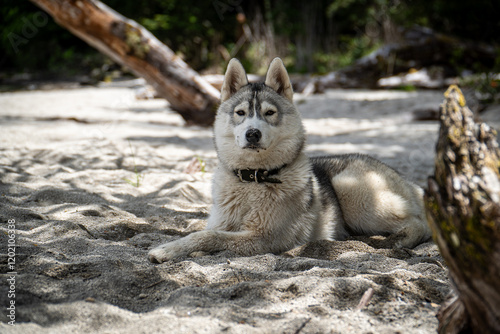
(69, 165)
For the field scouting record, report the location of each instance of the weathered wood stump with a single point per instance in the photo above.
(463, 209)
(131, 45)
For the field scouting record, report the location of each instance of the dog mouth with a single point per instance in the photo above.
(254, 147)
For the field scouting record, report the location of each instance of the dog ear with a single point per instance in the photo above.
(277, 78)
(234, 79)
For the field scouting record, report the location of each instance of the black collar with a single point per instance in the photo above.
(258, 175)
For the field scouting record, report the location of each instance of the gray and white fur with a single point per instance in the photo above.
(258, 133)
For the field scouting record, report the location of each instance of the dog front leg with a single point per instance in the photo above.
(243, 243)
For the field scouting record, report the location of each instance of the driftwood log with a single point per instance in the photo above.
(419, 48)
(463, 208)
(131, 45)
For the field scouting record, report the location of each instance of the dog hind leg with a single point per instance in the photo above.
(413, 232)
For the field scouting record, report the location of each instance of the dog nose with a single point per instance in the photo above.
(253, 136)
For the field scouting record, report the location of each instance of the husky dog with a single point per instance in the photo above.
(268, 196)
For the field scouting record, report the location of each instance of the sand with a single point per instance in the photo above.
(69, 165)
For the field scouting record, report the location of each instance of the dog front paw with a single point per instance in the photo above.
(166, 252)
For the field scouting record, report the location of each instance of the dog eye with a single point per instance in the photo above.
(240, 112)
(270, 112)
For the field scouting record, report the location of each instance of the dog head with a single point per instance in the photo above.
(257, 125)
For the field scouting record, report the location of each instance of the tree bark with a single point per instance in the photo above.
(131, 45)
(463, 209)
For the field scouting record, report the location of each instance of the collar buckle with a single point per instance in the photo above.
(240, 176)
(257, 175)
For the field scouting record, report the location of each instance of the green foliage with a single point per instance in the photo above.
(475, 20)
(351, 50)
(31, 41)
(193, 29)
(406, 88)
(315, 36)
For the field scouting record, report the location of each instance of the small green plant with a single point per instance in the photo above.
(406, 88)
(202, 164)
(138, 177)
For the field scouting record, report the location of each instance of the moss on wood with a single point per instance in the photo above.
(463, 209)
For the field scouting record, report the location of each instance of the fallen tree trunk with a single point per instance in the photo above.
(463, 208)
(131, 45)
(420, 48)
